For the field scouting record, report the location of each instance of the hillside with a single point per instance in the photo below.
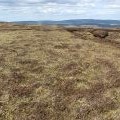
(77, 22)
(58, 73)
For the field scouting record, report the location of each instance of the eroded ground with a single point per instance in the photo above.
(52, 73)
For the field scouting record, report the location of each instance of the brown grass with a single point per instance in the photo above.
(55, 73)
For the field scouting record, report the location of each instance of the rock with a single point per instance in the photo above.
(100, 33)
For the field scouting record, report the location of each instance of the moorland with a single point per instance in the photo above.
(59, 73)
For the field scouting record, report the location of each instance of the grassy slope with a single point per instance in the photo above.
(49, 73)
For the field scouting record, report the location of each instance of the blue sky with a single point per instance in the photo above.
(22, 10)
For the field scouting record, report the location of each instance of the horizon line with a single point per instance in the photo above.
(59, 20)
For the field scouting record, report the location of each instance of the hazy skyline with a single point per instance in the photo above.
(17, 10)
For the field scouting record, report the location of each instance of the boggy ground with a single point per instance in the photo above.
(55, 73)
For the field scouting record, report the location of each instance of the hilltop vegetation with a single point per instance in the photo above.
(57, 73)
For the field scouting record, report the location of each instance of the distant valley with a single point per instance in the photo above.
(77, 22)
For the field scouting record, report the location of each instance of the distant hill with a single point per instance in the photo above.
(77, 22)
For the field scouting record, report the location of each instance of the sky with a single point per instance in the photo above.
(33, 10)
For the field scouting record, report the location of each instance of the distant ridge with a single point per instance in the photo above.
(76, 22)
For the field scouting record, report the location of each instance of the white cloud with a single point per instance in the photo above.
(59, 9)
(113, 6)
